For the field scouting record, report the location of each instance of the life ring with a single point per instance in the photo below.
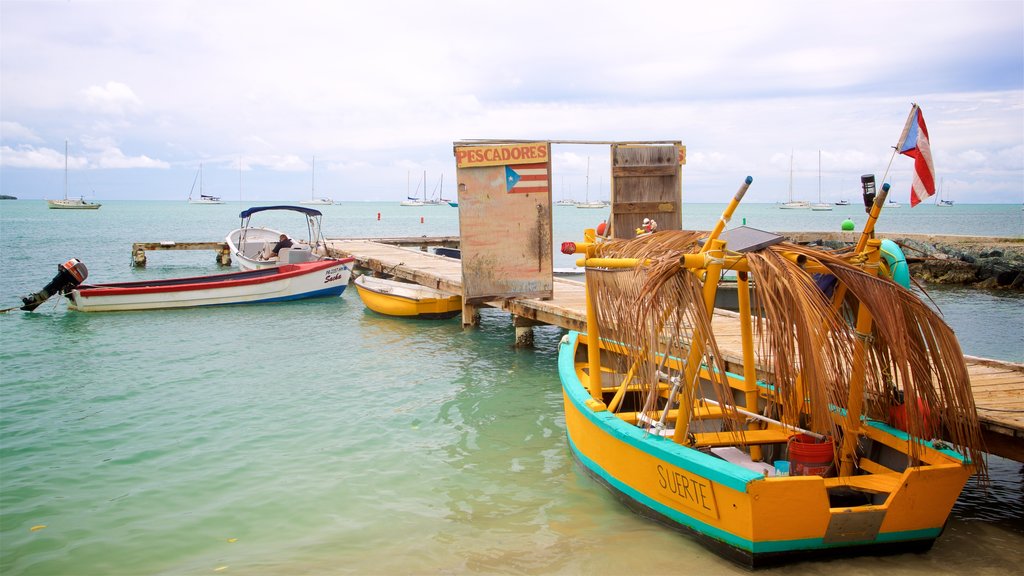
(895, 263)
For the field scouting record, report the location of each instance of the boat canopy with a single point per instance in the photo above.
(306, 211)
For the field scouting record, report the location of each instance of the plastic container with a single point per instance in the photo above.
(781, 467)
(809, 456)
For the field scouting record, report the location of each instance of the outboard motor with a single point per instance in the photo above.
(69, 274)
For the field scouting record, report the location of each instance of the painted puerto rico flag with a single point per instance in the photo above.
(914, 143)
(526, 178)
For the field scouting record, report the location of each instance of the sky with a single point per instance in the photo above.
(374, 94)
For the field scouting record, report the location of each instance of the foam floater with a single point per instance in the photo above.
(896, 263)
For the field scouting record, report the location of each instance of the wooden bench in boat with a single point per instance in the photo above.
(749, 437)
(876, 483)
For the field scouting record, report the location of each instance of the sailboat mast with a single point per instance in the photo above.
(424, 186)
(819, 176)
(65, 168)
(312, 189)
(790, 175)
(588, 178)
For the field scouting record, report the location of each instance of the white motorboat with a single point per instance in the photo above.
(286, 282)
(251, 247)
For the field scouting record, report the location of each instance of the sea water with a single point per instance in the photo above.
(316, 437)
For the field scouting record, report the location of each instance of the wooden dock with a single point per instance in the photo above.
(998, 386)
(139, 250)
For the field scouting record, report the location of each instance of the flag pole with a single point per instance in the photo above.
(903, 138)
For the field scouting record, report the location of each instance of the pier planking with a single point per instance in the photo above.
(998, 386)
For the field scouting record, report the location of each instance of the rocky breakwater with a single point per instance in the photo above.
(981, 262)
(978, 261)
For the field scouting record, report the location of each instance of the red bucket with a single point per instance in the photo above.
(809, 456)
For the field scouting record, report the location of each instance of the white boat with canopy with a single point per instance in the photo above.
(251, 247)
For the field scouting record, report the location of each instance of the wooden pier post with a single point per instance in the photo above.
(470, 315)
(138, 256)
(524, 330)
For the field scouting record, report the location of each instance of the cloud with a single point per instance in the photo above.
(114, 158)
(113, 98)
(371, 96)
(42, 158)
(12, 131)
(101, 155)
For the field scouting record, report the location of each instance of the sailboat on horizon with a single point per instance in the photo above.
(793, 204)
(586, 202)
(820, 206)
(313, 200)
(70, 203)
(203, 198)
(940, 199)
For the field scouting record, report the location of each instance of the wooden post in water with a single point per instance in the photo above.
(524, 330)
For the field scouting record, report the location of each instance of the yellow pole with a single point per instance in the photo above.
(593, 335)
(691, 370)
(855, 403)
(749, 368)
(727, 215)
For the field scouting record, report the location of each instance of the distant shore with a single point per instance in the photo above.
(977, 261)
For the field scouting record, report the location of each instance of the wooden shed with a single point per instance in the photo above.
(646, 183)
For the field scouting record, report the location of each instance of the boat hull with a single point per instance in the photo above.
(401, 299)
(738, 512)
(283, 283)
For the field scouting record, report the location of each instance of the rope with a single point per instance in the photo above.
(709, 259)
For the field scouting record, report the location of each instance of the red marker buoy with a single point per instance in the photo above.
(378, 216)
(421, 219)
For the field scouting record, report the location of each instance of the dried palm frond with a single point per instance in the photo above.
(656, 318)
(804, 347)
(801, 343)
(914, 356)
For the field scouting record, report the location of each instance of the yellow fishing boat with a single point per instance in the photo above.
(791, 448)
(394, 298)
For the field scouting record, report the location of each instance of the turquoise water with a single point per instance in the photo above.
(315, 437)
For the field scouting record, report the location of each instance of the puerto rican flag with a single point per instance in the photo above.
(526, 178)
(914, 143)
